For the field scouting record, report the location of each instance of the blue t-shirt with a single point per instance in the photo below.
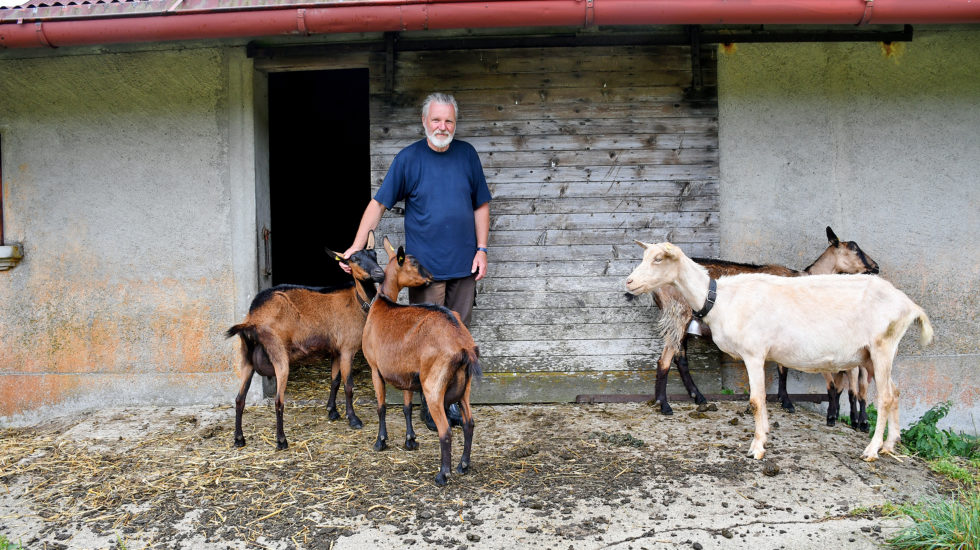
(441, 191)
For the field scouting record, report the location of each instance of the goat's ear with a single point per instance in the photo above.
(641, 243)
(389, 248)
(339, 257)
(670, 251)
(401, 255)
(834, 241)
(370, 243)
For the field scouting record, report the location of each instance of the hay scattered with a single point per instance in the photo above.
(183, 476)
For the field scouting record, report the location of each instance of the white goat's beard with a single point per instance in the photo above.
(439, 139)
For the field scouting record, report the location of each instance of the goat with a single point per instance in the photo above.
(420, 347)
(290, 322)
(820, 323)
(839, 257)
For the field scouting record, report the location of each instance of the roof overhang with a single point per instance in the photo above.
(94, 22)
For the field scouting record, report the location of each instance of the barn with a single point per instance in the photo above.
(161, 162)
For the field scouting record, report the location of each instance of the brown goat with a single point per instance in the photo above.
(420, 347)
(289, 322)
(839, 257)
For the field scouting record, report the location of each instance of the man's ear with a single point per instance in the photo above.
(401, 255)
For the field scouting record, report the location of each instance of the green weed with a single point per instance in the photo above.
(942, 523)
(727, 391)
(948, 468)
(923, 438)
(5, 544)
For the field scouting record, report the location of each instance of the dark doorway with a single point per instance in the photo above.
(319, 166)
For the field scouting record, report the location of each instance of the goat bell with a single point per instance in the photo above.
(697, 328)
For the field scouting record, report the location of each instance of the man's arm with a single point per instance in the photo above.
(369, 221)
(481, 217)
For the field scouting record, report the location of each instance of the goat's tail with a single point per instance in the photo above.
(925, 334)
(469, 360)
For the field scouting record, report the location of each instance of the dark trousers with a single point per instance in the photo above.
(456, 294)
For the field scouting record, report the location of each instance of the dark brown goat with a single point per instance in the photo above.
(839, 257)
(420, 347)
(288, 322)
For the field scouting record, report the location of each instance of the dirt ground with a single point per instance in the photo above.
(543, 476)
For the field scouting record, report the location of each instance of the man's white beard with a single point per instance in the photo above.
(439, 141)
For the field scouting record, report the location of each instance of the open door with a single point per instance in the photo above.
(319, 165)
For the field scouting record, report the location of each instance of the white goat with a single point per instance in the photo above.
(820, 323)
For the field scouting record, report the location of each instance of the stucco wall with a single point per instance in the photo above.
(883, 144)
(117, 177)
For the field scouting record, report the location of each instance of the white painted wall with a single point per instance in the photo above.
(883, 144)
(129, 177)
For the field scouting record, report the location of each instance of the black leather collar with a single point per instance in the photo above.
(709, 302)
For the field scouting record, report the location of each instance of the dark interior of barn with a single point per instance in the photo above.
(319, 163)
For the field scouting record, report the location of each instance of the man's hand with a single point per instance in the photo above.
(347, 254)
(479, 264)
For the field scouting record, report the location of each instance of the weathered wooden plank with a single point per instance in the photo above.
(554, 284)
(563, 347)
(558, 268)
(468, 128)
(542, 363)
(598, 174)
(607, 157)
(613, 189)
(544, 143)
(544, 60)
(702, 239)
(484, 316)
(488, 303)
(596, 205)
(475, 113)
(644, 331)
(610, 220)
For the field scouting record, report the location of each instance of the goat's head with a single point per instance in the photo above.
(659, 266)
(848, 256)
(363, 263)
(404, 268)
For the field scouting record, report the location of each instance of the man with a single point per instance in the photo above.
(447, 214)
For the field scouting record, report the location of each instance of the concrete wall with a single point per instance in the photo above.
(883, 144)
(129, 179)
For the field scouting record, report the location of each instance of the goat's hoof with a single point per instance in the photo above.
(831, 422)
(441, 479)
(699, 399)
(282, 445)
(865, 427)
(789, 406)
(333, 415)
(380, 445)
(463, 467)
(411, 445)
(870, 458)
(240, 441)
(666, 410)
(355, 423)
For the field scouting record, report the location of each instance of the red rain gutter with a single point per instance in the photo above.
(409, 15)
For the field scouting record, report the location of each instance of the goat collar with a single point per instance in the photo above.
(370, 295)
(709, 302)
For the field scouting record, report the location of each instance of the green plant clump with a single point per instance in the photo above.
(5, 544)
(923, 438)
(942, 523)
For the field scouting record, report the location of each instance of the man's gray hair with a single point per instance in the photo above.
(438, 97)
